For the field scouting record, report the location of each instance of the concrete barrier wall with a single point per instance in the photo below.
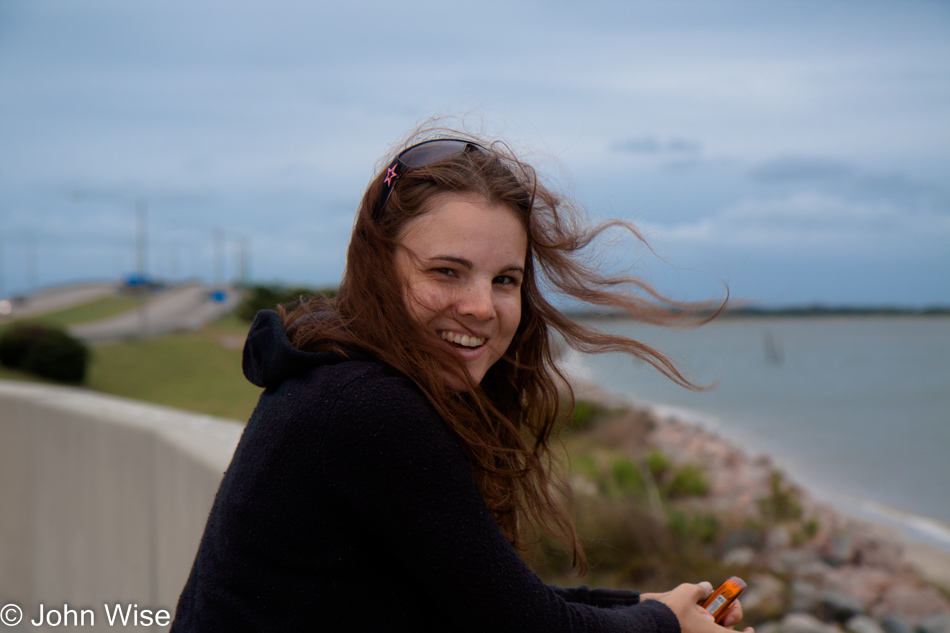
(102, 500)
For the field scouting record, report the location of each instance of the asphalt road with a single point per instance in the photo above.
(53, 299)
(185, 307)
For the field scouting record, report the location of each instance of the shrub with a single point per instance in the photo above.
(586, 414)
(622, 536)
(582, 416)
(688, 480)
(58, 356)
(626, 477)
(44, 351)
(16, 343)
(657, 463)
(783, 502)
(585, 465)
(257, 298)
(690, 530)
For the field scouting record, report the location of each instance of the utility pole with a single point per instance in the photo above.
(140, 283)
(141, 268)
(218, 235)
(32, 265)
(173, 263)
(244, 270)
(141, 258)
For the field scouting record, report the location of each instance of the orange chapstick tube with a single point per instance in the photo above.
(721, 599)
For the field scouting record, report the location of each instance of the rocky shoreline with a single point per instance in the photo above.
(845, 574)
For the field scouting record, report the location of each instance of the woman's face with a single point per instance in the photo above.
(463, 264)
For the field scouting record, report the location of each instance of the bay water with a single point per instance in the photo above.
(856, 409)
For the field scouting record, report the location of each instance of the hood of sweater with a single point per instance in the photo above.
(270, 359)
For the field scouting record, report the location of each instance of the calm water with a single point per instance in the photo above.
(855, 409)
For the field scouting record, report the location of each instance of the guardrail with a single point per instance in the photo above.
(102, 503)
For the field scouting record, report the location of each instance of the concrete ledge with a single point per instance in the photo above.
(103, 499)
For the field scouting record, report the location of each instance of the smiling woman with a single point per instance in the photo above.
(463, 264)
(399, 457)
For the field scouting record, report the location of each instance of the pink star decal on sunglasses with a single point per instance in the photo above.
(390, 176)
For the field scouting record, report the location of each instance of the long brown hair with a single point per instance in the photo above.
(507, 421)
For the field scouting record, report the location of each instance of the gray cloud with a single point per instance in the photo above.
(829, 174)
(652, 145)
(836, 226)
(900, 185)
(800, 169)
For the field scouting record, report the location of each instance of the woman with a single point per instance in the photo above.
(400, 450)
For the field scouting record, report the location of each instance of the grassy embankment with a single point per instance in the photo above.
(198, 371)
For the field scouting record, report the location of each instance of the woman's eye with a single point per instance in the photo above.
(506, 280)
(445, 272)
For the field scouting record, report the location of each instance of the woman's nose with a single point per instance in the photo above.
(477, 300)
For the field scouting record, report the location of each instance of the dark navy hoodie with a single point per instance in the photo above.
(350, 506)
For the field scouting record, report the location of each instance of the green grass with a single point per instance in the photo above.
(230, 324)
(198, 371)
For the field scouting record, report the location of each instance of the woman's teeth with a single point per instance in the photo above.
(462, 339)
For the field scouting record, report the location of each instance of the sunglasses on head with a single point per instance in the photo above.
(416, 157)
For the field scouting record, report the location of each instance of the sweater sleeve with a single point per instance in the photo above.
(600, 597)
(404, 477)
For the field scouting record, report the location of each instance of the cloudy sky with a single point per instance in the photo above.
(798, 151)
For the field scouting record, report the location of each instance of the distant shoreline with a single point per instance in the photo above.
(811, 311)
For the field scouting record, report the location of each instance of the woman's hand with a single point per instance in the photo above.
(684, 602)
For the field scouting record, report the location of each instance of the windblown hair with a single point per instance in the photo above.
(507, 422)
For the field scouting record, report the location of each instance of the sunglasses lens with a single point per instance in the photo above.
(431, 152)
(417, 157)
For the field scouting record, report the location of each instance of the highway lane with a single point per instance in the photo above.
(184, 307)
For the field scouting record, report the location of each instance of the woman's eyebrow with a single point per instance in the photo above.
(456, 260)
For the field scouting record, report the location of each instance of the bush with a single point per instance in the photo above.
(783, 503)
(586, 466)
(257, 298)
(691, 530)
(16, 343)
(585, 414)
(657, 463)
(44, 351)
(688, 481)
(582, 415)
(626, 477)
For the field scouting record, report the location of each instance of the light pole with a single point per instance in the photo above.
(32, 264)
(3, 274)
(141, 259)
(218, 236)
(244, 263)
(140, 282)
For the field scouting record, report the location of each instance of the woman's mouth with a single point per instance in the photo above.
(462, 340)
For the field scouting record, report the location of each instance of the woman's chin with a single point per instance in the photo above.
(457, 383)
(462, 381)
